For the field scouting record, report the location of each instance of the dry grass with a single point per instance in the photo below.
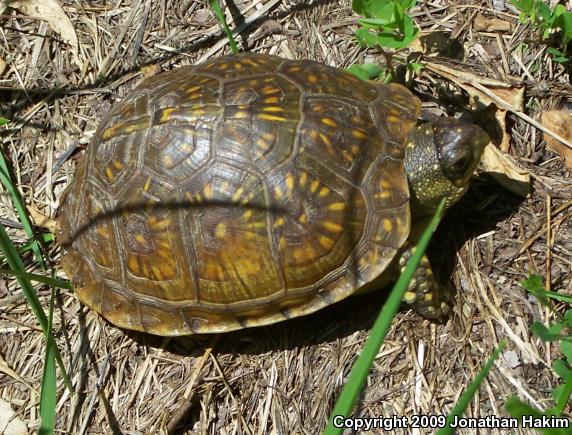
(285, 378)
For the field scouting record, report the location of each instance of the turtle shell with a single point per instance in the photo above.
(240, 192)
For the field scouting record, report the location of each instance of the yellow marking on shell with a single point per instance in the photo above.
(314, 186)
(259, 224)
(324, 191)
(241, 115)
(243, 106)
(355, 149)
(312, 78)
(278, 194)
(303, 219)
(358, 133)
(392, 119)
(383, 195)
(223, 65)
(109, 173)
(268, 117)
(272, 109)
(269, 136)
(133, 264)
(141, 239)
(166, 114)
(271, 100)
(410, 297)
(302, 254)
(279, 222)
(326, 242)
(294, 69)
(247, 214)
(410, 145)
(290, 182)
(337, 206)
(329, 122)
(332, 226)
(347, 156)
(387, 225)
(117, 165)
(281, 242)
(313, 134)
(269, 90)
(262, 144)
(187, 148)
(220, 230)
(356, 119)
(238, 65)
(158, 224)
(167, 161)
(208, 191)
(328, 143)
(193, 89)
(303, 178)
(237, 194)
(435, 167)
(428, 297)
(198, 198)
(385, 184)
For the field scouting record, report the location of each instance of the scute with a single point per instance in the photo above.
(237, 193)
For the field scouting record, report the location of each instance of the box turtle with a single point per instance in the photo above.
(252, 189)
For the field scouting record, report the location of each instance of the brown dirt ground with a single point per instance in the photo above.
(284, 378)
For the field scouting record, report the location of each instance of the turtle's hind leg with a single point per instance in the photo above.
(424, 294)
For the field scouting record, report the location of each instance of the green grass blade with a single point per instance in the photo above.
(48, 396)
(21, 209)
(16, 264)
(465, 399)
(52, 282)
(362, 366)
(218, 12)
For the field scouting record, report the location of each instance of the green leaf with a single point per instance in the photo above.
(562, 368)
(385, 23)
(373, 8)
(415, 67)
(20, 207)
(547, 334)
(564, 21)
(566, 349)
(519, 409)
(215, 6)
(366, 71)
(365, 37)
(567, 318)
(4, 121)
(535, 285)
(48, 393)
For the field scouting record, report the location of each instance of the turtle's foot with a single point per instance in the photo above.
(424, 294)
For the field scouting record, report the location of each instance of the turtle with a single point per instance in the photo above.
(252, 189)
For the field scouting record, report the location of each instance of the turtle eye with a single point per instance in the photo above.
(460, 165)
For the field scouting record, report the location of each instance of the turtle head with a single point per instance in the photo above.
(440, 157)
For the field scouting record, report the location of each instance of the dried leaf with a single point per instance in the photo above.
(2, 66)
(505, 171)
(41, 220)
(485, 24)
(5, 368)
(511, 95)
(561, 123)
(51, 12)
(10, 423)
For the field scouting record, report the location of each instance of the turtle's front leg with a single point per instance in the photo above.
(424, 294)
